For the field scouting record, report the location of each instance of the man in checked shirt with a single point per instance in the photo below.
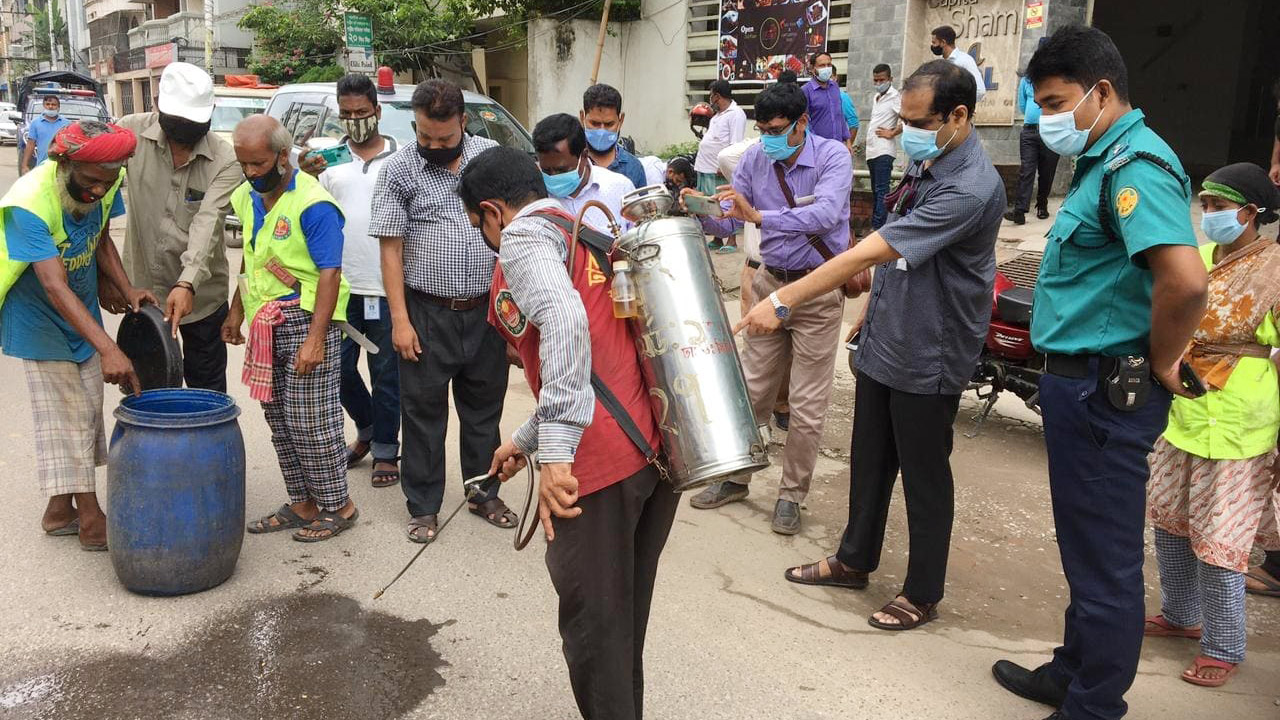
(436, 269)
(604, 508)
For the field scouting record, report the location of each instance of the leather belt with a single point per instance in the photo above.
(1077, 366)
(454, 304)
(787, 276)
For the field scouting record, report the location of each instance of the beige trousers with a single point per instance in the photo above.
(810, 338)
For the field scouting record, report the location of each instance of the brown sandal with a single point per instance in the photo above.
(496, 513)
(837, 575)
(909, 615)
(1193, 673)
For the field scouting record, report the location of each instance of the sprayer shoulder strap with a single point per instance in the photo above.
(622, 417)
(596, 242)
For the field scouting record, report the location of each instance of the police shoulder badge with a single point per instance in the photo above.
(283, 229)
(504, 307)
(1126, 201)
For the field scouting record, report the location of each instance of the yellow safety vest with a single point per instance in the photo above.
(281, 237)
(37, 193)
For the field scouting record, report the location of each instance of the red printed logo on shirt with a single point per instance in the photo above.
(283, 229)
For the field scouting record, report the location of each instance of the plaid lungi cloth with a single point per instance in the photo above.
(66, 405)
(305, 415)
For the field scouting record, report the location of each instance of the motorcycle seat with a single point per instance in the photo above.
(1014, 305)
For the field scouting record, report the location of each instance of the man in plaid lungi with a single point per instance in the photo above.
(291, 292)
(56, 240)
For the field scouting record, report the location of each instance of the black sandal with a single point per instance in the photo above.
(354, 456)
(285, 519)
(330, 521)
(385, 478)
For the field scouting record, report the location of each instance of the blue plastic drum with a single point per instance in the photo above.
(175, 491)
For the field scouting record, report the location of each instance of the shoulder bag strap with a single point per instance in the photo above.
(815, 241)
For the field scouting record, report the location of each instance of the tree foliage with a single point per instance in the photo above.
(40, 31)
(304, 36)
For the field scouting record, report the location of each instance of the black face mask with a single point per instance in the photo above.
(441, 156)
(267, 182)
(79, 193)
(936, 50)
(182, 130)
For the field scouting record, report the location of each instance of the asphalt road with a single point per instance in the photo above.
(471, 631)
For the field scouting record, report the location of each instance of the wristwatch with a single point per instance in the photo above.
(782, 311)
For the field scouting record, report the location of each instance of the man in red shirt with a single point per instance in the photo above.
(604, 508)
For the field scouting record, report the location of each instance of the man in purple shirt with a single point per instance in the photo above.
(826, 108)
(818, 173)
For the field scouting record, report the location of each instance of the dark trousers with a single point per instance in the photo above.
(881, 173)
(1098, 483)
(377, 413)
(204, 355)
(1037, 158)
(459, 348)
(603, 564)
(895, 430)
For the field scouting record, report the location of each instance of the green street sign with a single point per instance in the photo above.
(359, 31)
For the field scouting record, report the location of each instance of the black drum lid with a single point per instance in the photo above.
(146, 339)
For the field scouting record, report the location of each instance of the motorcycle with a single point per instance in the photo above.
(1008, 362)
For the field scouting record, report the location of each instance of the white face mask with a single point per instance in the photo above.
(883, 88)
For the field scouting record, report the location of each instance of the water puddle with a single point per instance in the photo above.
(318, 655)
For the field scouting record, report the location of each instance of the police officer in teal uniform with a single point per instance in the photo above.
(1121, 291)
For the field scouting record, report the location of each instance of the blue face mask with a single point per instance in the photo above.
(601, 140)
(1222, 227)
(776, 147)
(51, 114)
(562, 185)
(1059, 131)
(920, 145)
(824, 73)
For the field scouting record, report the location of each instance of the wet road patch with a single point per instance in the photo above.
(318, 655)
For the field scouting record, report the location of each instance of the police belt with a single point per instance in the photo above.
(1077, 366)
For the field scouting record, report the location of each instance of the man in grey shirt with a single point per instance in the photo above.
(926, 321)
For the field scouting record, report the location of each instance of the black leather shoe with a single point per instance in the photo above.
(1016, 217)
(721, 493)
(786, 517)
(1058, 715)
(1042, 213)
(1037, 685)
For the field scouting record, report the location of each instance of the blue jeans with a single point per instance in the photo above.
(881, 172)
(1098, 486)
(376, 415)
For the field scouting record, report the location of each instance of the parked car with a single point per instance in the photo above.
(81, 98)
(8, 122)
(235, 104)
(310, 112)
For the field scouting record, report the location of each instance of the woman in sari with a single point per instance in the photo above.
(1211, 472)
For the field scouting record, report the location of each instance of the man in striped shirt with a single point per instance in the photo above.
(605, 511)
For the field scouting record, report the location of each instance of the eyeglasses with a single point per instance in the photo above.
(776, 132)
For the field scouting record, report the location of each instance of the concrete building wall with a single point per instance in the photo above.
(653, 88)
(560, 59)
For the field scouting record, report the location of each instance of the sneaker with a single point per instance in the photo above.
(722, 493)
(786, 517)
(1017, 217)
